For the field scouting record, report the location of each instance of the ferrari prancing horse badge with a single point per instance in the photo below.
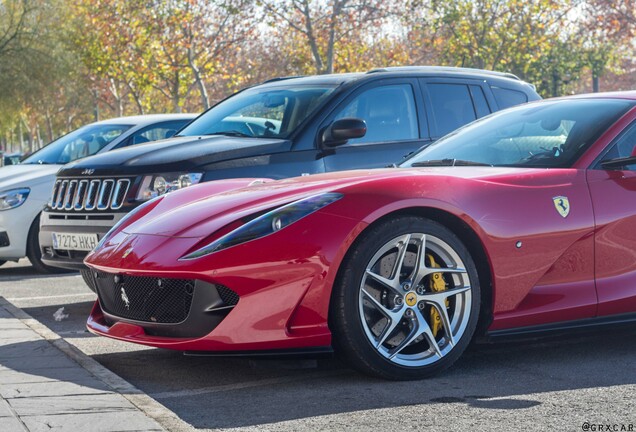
(562, 205)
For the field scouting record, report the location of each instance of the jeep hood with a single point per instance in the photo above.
(175, 154)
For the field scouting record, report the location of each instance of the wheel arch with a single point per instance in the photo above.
(33, 225)
(466, 234)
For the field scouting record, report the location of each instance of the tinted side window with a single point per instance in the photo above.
(479, 100)
(155, 132)
(624, 146)
(452, 106)
(506, 98)
(389, 112)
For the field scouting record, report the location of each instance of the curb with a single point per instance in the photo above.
(153, 409)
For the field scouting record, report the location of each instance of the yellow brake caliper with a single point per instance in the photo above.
(437, 284)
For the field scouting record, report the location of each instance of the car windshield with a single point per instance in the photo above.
(552, 134)
(85, 141)
(274, 112)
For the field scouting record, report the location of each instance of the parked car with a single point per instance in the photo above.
(520, 223)
(10, 159)
(25, 189)
(283, 128)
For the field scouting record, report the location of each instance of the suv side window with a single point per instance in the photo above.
(155, 132)
(389, 112)
(624, 146)
(452, 106)
(506, 98)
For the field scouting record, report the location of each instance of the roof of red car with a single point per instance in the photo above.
(628, 94)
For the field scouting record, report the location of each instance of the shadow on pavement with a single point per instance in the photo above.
(74, 324)
(38, 361)
(241, 392)
(26, 272)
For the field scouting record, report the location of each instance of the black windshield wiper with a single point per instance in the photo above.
(448, 162)
(39, 162)
(232, 133)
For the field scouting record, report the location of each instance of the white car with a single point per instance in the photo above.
(26, 188)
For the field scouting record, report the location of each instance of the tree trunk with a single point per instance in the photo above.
(29, 132)
(95, 109)
(175, 94)
(21, 135)
(38, 135)
(555, 84)
(205, 100)
(49, 126)
(595, 83)
(309, 31)
(336, 12)
(119, 101)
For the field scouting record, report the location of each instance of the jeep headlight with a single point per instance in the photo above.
(156, 185)
(268, 223)
(13, 198)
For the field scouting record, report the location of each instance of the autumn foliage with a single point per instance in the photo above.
(64, 63)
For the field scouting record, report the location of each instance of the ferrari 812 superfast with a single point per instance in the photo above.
(523, 221)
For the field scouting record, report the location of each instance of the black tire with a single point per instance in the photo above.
(349, 338)
(88, 279)
(35, 254)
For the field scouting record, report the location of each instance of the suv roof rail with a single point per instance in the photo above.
(281, 78)
(444, 69)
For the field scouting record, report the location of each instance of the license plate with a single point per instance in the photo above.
(78, 242)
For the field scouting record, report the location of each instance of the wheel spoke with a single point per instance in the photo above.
(419, 260)
(393, 323)
(394, 281)
(438, 301)
(446, 322)
(385, 311)
(402, 246)
(428, 270)
(441, 296)
(393, 317)
(384, 281)
(420, 327)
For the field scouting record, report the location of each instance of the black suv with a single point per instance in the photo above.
(284, 127)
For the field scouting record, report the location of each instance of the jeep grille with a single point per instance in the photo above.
(84, 194)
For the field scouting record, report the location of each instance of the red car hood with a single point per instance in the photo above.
(200, 210)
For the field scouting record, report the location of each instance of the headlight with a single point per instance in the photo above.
(13, 198)
(158, 184)
(267, 224)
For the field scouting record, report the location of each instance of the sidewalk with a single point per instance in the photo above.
(44, 388)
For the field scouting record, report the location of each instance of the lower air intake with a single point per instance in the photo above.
(146, 299)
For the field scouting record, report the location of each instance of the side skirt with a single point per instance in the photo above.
(560, 328)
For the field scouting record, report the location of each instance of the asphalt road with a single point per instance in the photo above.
(586, 381)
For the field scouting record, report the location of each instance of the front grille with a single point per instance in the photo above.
(147, 299)
(83, 194)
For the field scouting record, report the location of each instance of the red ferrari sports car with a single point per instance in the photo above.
(523, 221)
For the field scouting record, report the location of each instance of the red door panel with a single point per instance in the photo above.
(614, 200)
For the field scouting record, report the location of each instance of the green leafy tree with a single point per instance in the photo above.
(504, 35)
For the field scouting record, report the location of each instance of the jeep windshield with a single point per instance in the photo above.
(85, 141)
(549, 134)
(271, 112)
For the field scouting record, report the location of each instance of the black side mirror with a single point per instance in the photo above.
(619, 162)
(341, 131)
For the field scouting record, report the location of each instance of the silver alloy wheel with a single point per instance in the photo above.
(396, 298)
